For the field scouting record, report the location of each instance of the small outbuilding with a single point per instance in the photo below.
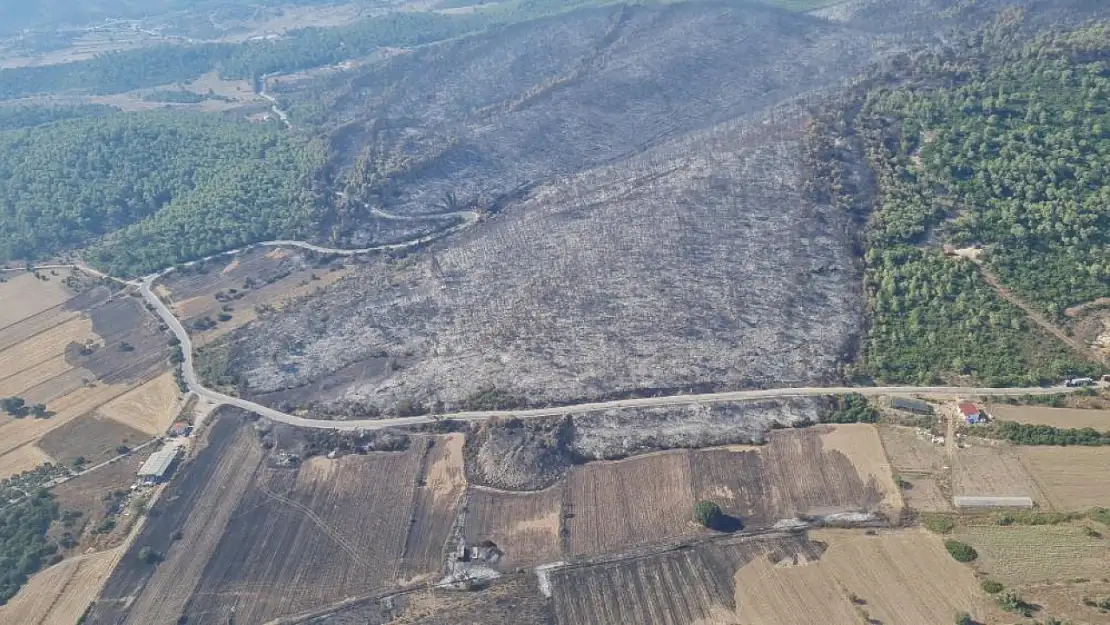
(180, 429)
(971, 413)
(909, 404)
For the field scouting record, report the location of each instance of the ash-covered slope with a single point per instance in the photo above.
(665, 242)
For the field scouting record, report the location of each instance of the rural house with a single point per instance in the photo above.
(971, 413)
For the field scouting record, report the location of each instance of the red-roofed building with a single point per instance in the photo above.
(971, 412)
(181, 429)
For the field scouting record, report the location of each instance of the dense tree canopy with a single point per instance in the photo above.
(24, 546)
(1002, 147)
(167, 187)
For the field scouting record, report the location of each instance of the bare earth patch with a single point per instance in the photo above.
(1073, 478)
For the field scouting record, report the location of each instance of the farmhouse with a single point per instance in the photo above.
(180, 428)
(971, 413)
(159, 465)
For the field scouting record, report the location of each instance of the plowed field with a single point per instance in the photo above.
(525, 526)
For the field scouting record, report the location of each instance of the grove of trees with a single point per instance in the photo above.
(24, 545)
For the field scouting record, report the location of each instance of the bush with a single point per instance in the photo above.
(963, 618)
(939, 524)
(707, 513)
(1011, 601)
(991, 587)
(149, 555)
(962, 552)
(1102, 515)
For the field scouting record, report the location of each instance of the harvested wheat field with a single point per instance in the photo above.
(60, 594)
(24, 295)
(260, 540)
(993, 469)
(525, 526)
(42, 348)
(1018, 555)
(150, 408)
(440, 490)
(909, 452)
(903, 577)
(1072, 478)
(612, 511)
(91, 437)
(22, 459)
(798, 472)
(1056, 417)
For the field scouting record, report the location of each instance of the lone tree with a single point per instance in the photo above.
(707, 513)
(963, 618)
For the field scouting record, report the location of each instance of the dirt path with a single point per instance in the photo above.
(1038, 318)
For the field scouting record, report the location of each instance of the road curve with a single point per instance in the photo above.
(190, 376)
(189, 372)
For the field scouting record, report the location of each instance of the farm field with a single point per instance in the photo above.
(90, 494)
(1023, 555)
(610, 509)
(1072, 478)
(811, 471)
(905, 577)
(993, 469)
(909, 452)
(91, 437)
(525, 526)
(60, 594)
(1056, 417)
(440, 489)
(149, 408)
(262, 541)
(925, 494)
(73, 352)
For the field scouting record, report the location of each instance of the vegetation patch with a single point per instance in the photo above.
(24, 545)
(962, 552)
(1032, 434)
(853, 408)
(939, 523)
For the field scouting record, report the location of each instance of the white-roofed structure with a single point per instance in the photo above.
(992, 502)
(159, 465)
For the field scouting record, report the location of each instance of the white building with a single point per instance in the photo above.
(159, 465)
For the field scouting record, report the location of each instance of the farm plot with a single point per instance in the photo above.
(91, 437)
(1019, 555)
(910, 452)
(1072, 478)
(149, 408)
(261, 539)
(525, 526)
(993, 469)
(73, 357)
(616, 505)
(799, 472)
(440, 489)
(23, 296)
(1056, 417)
(680, 587)
(903, 577)
(91, 494)
(60, 594)
(303, 539)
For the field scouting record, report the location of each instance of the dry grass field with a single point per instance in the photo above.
(1023, 555)
(1073, 478)
(902, 577)
(23, 296)
(905, 577)
(92, 437)
(261, 541)
(525, 526)
(440, 490)
(1056, 417)
(909, 452)
(60, 594)
(925, 494)
(799, 472)
(22, 459)
(620, 504)
(993, 469)
(87, 494)
(149, 408)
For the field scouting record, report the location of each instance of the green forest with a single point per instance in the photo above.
(24, 546)
(151, 189)
(1002, 146)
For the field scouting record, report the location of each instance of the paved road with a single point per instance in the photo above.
(646, 402)
(190, 376)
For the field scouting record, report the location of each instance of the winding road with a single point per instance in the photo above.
(145, 286)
